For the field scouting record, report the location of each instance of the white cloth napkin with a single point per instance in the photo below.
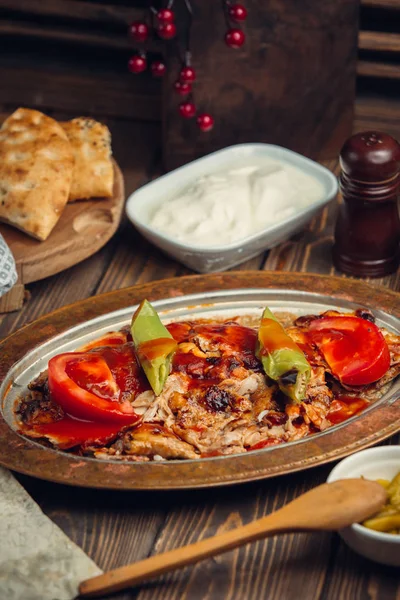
(37, 560)
(8, 272)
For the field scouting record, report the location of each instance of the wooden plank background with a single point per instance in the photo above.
(379, 40)
(72, 55)
(57, 54)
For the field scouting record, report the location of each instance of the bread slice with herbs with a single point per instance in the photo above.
(36, 165)
(93, 175)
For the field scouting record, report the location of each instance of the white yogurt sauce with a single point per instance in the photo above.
(230, 205)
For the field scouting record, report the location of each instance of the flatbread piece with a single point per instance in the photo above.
(93, 175)
(36, 164)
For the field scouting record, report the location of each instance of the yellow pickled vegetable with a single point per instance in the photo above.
(388, 519)
(393, 491)
(383, 482)
(383, 523)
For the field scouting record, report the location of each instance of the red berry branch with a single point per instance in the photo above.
(166, 15)
(138, 63)
(161, 22)
(237, 12)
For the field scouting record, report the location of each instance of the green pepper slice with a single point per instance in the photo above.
(282, 359)
(154, 345)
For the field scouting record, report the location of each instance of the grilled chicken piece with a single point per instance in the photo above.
(393, 342)
(160, 410)
(151, 439)
(317, 388)
(108, 454)
(316, 414)
(264, 398)
(296, 426)
(316, 405)
(38, 409)
(205, 418)
(216, 419)
(206, 345)
(294, 422)
(39, 384)
(143, 401)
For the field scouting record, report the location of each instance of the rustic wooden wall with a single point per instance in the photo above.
(72, 55)
(292, 83)
(69, 57)
(379, 42)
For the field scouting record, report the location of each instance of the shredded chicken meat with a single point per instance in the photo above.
(217, 399)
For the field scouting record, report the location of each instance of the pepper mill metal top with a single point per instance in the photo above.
(367, 231)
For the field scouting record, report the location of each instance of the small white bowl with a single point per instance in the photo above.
(141, 204)
(382, 462)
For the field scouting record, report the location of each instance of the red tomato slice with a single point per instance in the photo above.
(82, 383)
(264, 444)
(354, 348)
(343, 408)
(70, 432)
(92, 373)
(115, 338)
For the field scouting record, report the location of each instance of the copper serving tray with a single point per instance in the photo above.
(25, 353)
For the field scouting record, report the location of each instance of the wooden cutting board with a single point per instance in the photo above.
(84, 227)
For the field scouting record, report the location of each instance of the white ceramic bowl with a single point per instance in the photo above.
(375, 463)
(141, 204)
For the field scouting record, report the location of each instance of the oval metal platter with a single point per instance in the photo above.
(25, 354)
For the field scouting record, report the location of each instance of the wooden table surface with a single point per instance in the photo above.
(118, 528)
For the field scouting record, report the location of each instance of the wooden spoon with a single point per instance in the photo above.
(327, 507)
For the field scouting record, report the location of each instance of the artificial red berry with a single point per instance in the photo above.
(234, 38)
(158, 68)
(137, 64)
(182, 88)
(139, 31)
(187, 110)
(166, 15)
(166, 31)
(187, 75)
(205, 122)
(238, 12)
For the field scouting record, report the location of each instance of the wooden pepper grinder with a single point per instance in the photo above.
(367, 231)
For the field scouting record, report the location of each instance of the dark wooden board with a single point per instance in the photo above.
(83, 228)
